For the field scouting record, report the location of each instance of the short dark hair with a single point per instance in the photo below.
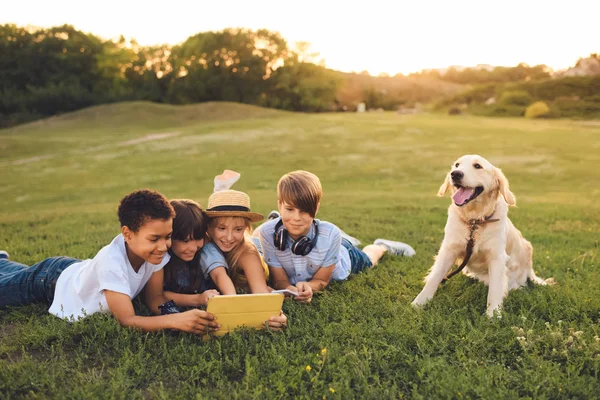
(190, 220)
(142, 206)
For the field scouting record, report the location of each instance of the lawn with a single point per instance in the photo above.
(61, 180)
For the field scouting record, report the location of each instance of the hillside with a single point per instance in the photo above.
(389, 92)
(136, 114)
(567, 97)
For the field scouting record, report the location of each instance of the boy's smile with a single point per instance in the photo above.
(296, 221)
(150, 243)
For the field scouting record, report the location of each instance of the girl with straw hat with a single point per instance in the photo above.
(231, 258)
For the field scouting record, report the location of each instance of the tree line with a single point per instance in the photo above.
(47, 71)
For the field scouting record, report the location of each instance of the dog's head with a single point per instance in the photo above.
(471, 176)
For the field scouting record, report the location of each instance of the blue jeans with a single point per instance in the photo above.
(359, 260)
(20, 284)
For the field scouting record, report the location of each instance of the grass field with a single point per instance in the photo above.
(62, 179)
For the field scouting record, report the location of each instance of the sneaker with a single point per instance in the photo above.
(273, 215)
(396, 248)
(3, 254)
(355, 242)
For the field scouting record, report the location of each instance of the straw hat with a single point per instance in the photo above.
(225, 202)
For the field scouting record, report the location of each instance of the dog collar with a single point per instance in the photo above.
(474, 224)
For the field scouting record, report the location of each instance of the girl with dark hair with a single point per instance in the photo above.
(183, 282)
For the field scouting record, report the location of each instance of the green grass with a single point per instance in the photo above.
(62, 179)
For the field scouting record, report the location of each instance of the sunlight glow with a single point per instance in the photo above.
(376, 36)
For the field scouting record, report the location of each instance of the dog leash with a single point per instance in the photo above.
(474, 223)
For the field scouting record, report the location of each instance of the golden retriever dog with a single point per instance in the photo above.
(500, 256)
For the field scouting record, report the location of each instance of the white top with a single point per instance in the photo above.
(80, 288)
(328, 251)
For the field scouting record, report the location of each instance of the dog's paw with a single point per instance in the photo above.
(494, 313)
(550, 281)
(419, 302)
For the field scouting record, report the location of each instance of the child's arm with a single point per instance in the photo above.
(193, 321)
(153, 291)
(222, 280)
(321, 278)
(190, 300)
(154, 295)
(254, 272)
(280, 279)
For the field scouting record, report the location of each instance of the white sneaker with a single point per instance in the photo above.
(4, 254)
(396, 248)
(355, 242)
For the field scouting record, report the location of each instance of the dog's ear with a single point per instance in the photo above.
(445, 186)
(503, 187)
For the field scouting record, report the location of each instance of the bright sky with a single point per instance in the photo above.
(377, 35)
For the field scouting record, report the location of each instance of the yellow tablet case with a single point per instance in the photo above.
(251, 310)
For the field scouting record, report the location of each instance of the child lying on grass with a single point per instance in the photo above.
(183, 281)
(108, 282)
(305, 254)
(231, 258)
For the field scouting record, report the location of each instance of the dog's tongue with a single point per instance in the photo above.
(462, 195)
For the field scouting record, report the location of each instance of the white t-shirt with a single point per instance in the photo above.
(80, 288)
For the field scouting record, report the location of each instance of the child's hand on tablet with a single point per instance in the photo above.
(305, 292)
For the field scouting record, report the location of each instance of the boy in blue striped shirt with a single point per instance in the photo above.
(305, 254)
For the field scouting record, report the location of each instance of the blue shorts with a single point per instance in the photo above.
(359, 260)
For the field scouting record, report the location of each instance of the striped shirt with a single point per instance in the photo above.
(327, 251)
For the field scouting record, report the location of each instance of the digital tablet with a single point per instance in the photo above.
(250, 310)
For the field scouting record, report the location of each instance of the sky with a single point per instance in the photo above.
(377, 36)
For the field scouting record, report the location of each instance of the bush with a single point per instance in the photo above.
(497, 110)
(593, 99)
(478, 94)
(580, 109)
(539, 109)
(550, 89)
(516, 98)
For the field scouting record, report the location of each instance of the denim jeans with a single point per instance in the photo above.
(359, 260)
(20, 284)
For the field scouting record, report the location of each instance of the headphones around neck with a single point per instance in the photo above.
(301, 246)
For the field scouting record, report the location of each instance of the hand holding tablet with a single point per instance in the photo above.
(250, 310)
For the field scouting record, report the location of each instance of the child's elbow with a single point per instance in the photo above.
(127, 321)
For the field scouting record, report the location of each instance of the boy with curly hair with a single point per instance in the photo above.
(108, 282)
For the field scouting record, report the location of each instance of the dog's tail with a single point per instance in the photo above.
(531, 275)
